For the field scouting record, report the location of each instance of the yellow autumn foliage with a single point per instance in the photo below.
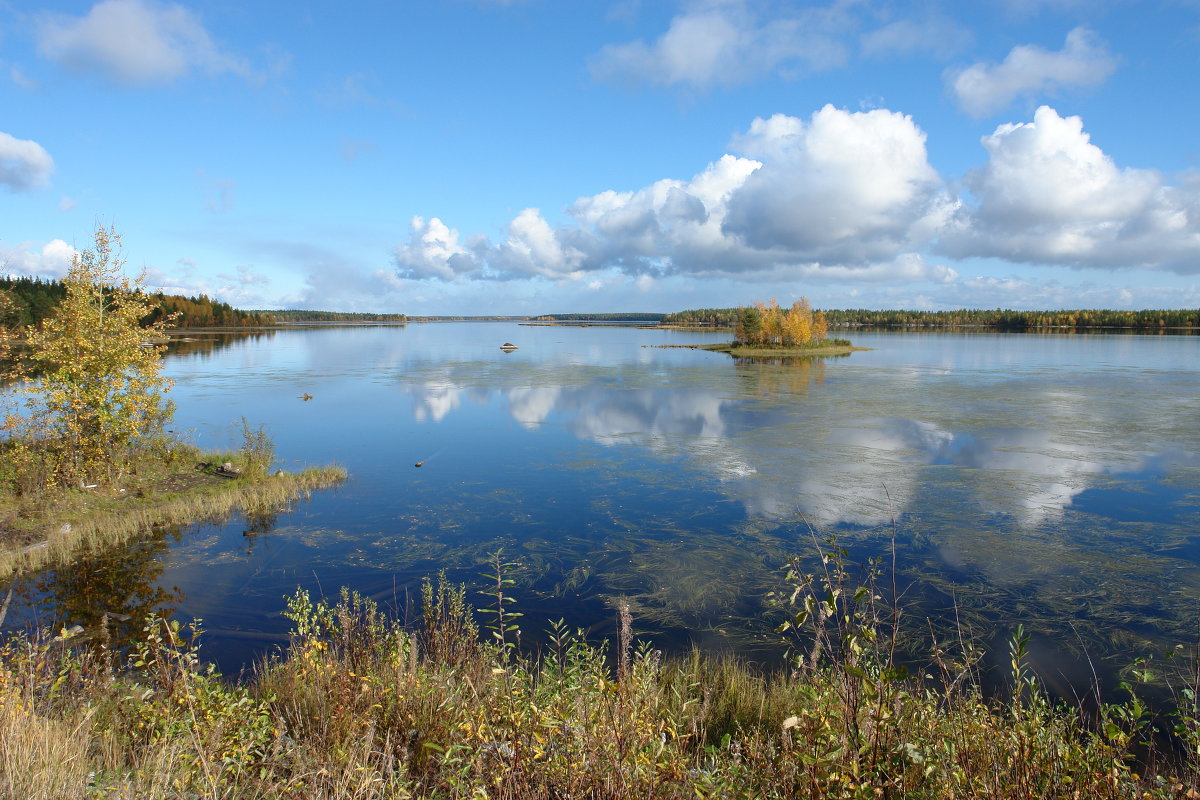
(768, 325)
(94, 388)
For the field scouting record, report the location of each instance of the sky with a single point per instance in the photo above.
(543, 156)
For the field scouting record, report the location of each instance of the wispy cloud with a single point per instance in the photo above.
(1029, 70)
(136, 42)
(936, 36)
(723, 43)
(218, 192)
(24, 164)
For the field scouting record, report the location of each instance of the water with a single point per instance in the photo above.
(1051, 480)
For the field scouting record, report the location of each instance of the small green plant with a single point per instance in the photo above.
(224, 731)
(450, 633)
(504, 628)
(257, 451)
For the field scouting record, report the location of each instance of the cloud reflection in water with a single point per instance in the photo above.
(778, 463)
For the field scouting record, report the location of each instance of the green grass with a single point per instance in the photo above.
(365, 707)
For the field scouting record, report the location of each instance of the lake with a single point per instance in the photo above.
(1049, 480)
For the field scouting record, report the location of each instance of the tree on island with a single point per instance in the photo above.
(768, 325)
(95, 386)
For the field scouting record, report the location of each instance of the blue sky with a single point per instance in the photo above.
(533, 156)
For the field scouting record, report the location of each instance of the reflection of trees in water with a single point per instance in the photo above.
(766, 377)
(205, 344)
(197, 344)
(120, 583)
(258, 522)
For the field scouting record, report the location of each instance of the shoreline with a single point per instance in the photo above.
(76, 520)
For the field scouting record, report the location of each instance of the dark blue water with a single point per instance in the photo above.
(1052, 480)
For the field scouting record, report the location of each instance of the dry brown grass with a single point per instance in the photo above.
(41, 758)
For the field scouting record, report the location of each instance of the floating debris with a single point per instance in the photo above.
(508, 347)
(305, 397)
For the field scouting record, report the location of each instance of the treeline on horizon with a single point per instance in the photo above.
(33, 300)
(307, 315)
(621, 316)
(1000, 319)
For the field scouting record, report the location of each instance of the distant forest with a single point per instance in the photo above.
(625, 316)
(304, 315)
(983, 318)
(33, 299)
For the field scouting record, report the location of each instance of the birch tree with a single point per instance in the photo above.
(98, 386)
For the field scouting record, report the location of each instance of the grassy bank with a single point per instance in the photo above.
(364, 707)
(171, 485)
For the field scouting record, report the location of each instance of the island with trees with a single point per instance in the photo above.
(767, 330)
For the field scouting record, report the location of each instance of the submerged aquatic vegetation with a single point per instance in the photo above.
(364, 706)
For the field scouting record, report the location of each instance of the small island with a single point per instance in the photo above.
(765, 330)
(825, 347)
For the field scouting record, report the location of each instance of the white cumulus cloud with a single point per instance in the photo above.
(1048, 195)
(24, 164)
(846, 196)
(843, 188)
(982, 89)
(669, 226)
(135, 42)
(51, 260)
(433, 251)
(534, 248)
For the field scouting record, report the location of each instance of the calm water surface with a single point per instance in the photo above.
(1052, 480)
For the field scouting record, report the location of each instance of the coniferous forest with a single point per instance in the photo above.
(32, 300)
